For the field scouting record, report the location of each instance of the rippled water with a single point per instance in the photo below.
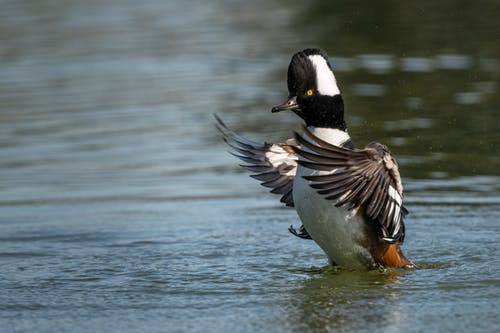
(120, 209)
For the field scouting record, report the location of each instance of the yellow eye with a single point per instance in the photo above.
(309, 92)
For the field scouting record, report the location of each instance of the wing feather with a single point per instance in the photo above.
(274, 165)
(267, 176)
(366, 177)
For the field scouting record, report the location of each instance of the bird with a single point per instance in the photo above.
(349, 200)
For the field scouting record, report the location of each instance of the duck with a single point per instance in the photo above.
(349, 200)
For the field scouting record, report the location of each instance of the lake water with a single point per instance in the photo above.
(121, 211)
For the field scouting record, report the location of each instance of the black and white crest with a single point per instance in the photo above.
(310, 69)
(313, 92)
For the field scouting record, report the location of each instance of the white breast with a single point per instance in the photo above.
(337, 231)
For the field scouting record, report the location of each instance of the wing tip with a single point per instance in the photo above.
(254, 154)
(220, 125)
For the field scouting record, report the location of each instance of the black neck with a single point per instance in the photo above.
(323, 111)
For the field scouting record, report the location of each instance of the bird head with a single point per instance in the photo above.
(313, 93)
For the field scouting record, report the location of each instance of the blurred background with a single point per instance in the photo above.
(120, 208)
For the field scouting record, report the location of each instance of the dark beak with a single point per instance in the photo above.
(291, 104)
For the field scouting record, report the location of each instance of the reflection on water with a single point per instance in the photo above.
(120, 209)
(344, 301)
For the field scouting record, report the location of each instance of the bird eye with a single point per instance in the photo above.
(309, 92)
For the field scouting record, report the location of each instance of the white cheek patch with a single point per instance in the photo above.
(327, 85)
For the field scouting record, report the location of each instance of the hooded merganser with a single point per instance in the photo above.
(349, 200)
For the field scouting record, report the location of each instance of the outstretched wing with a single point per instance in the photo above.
(362, 177)
(274, 164)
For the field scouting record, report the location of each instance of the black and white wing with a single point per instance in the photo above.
(274, 164)
(360, 178)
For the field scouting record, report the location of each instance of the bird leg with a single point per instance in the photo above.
(302, 233)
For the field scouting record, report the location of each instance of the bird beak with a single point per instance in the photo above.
(291, 104)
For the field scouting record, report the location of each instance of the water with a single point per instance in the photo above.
(120, 209)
